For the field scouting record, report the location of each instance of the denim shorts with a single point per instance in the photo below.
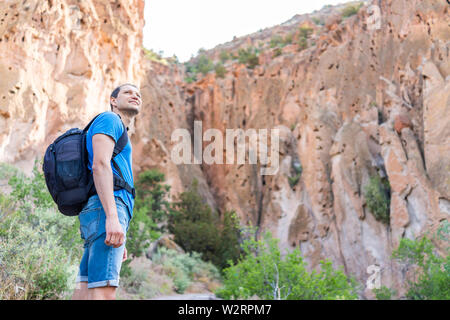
(100, 264)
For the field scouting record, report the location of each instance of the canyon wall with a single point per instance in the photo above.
(59, 62)
(361, 102)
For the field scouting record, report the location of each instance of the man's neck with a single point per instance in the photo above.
(126, 116)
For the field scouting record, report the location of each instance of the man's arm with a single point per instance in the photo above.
(103, 147)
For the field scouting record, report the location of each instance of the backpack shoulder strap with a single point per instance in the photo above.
(121, 143)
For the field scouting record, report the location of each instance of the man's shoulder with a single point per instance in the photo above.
(108, 116)
(107, 122)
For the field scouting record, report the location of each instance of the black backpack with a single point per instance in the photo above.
(67, 176)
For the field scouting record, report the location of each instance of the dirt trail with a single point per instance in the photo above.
(188, 296)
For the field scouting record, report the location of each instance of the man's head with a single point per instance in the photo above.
(126, 97)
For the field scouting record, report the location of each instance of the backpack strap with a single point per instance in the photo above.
(121, 143)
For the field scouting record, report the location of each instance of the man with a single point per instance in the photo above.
(105, 218)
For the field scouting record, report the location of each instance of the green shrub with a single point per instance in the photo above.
(297, 168)
(303, 36)
(39, 247)
(249, 57)
(27, 190)
(318, 21)
(150, 214)
(197, 228)
(384, 293)
(224, 56)
(153, 56)
(220, 70)
(294, 180)
(277, 52)
(204, 64)
(184, 268)
(378, 199)
(265, 273)
(432, 271)
(351, 10)
(276, 41)
(288, 39)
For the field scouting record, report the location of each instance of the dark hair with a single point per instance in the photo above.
(116, 91)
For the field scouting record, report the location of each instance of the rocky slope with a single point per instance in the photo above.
(359, 102)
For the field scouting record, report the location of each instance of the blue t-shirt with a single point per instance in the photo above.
(110, 124)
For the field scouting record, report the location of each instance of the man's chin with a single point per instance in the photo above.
(130, 109)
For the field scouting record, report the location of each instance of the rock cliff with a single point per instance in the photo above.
(358, 102)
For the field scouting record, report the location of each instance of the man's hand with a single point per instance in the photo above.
(125, 257)
(114, 232)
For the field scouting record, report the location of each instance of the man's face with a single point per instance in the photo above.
(128, 99)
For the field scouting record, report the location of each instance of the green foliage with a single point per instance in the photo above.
(432, 273)
(318, 21)
(39, 247)
(220, 70)
(197, 228)
(351, 10)
(183, 268)
(224, 56)
(384, 293)
(276, 41)
(153, 56)
(150, 214)
(201, 64)
(277, 52)
(294, 180)
(249, 57)
(31, 189)
(297, 167)
(378, 199)
(263, 272)
(303, 36)
(288, 39)
(204, 64)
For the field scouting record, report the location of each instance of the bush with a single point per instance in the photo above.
(264, 273)
(204, 64)
(224, 56)
(184, 268)
(378, 198)
(432, 272)
(318, 21)
(277, 52)
(197, 228)
(297, 168)
(249, 57)
(153, 56)
(149, 215)
(384, 293)
(220, 70)
(276, 41)
(303, 36)
(351, 10)
(39, 247)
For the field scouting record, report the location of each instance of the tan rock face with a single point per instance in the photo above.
(59, 62)
(359, 102)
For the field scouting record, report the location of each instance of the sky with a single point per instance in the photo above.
(182, 27)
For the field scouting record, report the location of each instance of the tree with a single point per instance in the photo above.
(262, 271)
(150, 211)
(198, 229)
